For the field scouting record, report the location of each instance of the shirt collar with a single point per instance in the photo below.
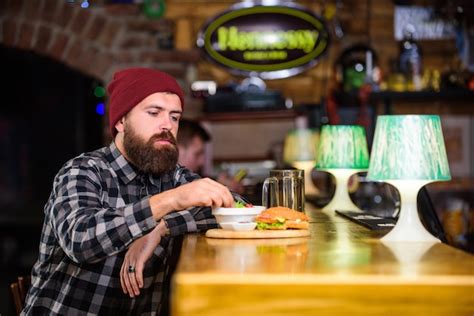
(122, 167)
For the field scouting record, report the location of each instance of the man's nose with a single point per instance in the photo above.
(165, 123)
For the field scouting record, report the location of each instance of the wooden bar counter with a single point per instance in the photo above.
(342, 269)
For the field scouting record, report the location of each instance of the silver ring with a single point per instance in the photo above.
(131, 269)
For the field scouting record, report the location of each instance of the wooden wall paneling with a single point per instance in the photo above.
(183, 39)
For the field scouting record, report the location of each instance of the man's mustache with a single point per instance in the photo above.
(164, 136)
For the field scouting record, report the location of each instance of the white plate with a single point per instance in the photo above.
(238, 226)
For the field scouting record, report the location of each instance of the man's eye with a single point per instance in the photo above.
(153, 113)
(175, 118)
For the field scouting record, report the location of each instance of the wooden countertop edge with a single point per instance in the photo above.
(302, 279)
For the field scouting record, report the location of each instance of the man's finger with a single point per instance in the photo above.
(228, 198)
(139, 275)
(216, 199)
(126, 279)
(122, 283)
(225, 195)
(133, 282)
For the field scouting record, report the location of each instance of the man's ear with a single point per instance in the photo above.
(119, 126)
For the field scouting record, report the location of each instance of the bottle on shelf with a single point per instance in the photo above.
(410, 59)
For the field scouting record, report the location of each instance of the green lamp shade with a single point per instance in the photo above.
(342, 147)
(408, 147)
(300, 145)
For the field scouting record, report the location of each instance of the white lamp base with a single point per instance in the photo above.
(341, 199)
(409, 227)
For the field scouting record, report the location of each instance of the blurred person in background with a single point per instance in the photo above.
(114, 214)
(192, 138)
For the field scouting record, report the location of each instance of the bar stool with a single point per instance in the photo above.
(19, 290)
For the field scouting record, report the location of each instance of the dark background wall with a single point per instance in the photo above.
(47, 116)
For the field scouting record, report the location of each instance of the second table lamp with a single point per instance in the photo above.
(342, 152)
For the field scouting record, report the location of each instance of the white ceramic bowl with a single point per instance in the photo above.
(237, 226)
(246, 214)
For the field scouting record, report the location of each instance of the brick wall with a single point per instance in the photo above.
(95, 41)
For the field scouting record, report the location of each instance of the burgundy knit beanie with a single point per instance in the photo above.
(130, 86)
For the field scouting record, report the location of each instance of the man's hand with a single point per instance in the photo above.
(202, 192)
(137, 255)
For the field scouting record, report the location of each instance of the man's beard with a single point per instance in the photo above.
(146, 157)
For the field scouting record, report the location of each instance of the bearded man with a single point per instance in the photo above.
(114, 213)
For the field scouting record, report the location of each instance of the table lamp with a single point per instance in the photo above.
(408, 152)
(299, 151)
(342, 151)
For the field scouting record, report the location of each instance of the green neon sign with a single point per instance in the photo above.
(273, 41)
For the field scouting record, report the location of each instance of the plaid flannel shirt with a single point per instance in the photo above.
(98, 206)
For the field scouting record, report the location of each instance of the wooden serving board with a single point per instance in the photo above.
(230, 234)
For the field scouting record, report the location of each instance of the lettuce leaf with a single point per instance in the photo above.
(239, 204)
(263, 226)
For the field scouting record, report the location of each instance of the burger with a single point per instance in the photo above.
(281, 218)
